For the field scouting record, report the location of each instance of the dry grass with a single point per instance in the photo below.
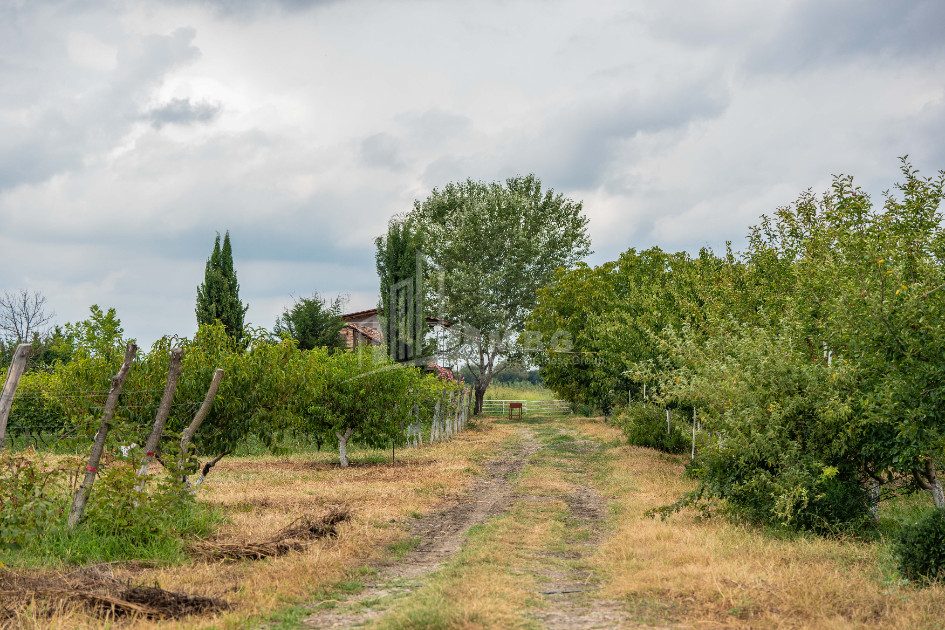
(492, 582)
(716, 573)
(261, 496)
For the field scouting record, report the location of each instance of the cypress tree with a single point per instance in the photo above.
(218, 297)
(396, 259)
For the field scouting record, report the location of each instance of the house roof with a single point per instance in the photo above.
(373, 311)
(359, 314)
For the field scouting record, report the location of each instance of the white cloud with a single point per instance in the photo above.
(131, 132)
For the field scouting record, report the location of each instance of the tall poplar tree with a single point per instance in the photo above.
(218, 297)
(397, 261)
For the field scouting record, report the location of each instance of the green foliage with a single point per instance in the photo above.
(121, 522)
(398, 260)
(218, 297)
(496, 245)
(813, 358)
(646, 426)
(57, 346)
(921, 547)
(357, 391)
(98, 336)
(28, 507)
(34, 408)
(137, 518)
(312, 323)
(782, 451)
(611, 316)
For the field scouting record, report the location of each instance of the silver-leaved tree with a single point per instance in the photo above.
(489, 248)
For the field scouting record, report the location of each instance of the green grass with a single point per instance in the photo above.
(88, 544)
(518, 392)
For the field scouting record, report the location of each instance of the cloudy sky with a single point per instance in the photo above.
(132, 131)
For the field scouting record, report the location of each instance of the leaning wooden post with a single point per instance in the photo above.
(191, 430)
(160, 420)
(17, 367)
(82, 492)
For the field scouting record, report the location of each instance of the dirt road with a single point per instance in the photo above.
(539, 491)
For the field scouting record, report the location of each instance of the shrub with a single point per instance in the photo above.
(921, 548)
(646, 426)
(28, 507)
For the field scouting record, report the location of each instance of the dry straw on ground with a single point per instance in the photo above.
(98, 593)
(262, 497)
(716, 573)
(295, 536)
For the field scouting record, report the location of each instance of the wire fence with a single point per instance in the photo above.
(541, 407)
(41, 420)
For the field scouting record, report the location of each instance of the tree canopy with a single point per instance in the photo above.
(218, 297)
(399, 268)
(313, 323)
(812, 359)
(491, 246)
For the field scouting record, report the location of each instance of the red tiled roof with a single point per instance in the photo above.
(358, 314)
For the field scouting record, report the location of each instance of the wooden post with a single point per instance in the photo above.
(667, 421)
(82, 492)
(164, 410)
(17, 367)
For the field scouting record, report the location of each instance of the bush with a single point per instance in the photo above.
(28, 508)
(646, 426)
(921, 548)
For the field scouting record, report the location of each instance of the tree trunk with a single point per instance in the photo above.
(81, 496)
(206, 470)
(935, 484)
(874, 499)
(343, 446)
(480, 394)
(928, 480)
(160, 420)
(191, 430)
(17, 367)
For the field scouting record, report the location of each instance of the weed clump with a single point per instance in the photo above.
(921, 548)
(646, 426)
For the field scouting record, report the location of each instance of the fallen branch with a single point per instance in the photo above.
(104, 597)
(296, 536)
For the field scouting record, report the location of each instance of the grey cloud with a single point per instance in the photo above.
(422, 133)
(75, 114)
(433, 126)
(575, 148)
(816, 32)
(251, 8)
(382, 150)
(181, 111)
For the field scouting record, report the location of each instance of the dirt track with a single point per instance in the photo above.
(441, 535)
(566, 591)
